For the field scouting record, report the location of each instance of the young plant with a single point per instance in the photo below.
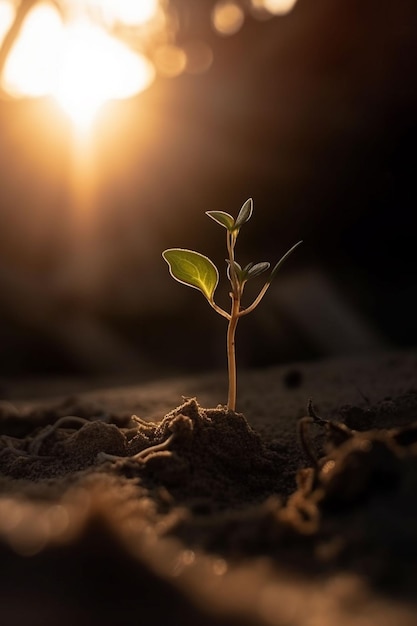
(197, 271)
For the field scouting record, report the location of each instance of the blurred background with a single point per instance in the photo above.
(122, 122)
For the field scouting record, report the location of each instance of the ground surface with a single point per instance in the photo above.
(220, 518)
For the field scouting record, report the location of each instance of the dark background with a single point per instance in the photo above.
(312, 114)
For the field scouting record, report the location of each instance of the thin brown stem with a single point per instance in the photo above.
(231, 353)
(235, 295)
(255, 303)
(219, 310)
(231, 242)
(265, 288)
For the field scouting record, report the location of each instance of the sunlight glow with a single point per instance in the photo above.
(32, 64)
(170, 60)
(78, 63)
(275, 7)
(227, 17)
(7, 12)
(97, 67)
(131, 12)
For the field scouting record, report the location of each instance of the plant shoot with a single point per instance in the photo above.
(197, 271)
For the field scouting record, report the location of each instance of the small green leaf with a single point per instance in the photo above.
(193, 269)
(222, 218)
(281, 261)
(257, 269)
(244, 214)
(238, 270)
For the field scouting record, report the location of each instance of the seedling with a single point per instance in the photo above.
(197, 271)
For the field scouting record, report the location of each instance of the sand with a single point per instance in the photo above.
(126, 505)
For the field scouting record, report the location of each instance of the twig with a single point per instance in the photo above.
(314, 418)
(305, 440)
(140, 456)
(36, 443)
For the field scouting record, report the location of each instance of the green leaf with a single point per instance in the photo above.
(193, 269)
(257, 269)
(281, 261)
(222, 218)
(244, 214)
(238, 271)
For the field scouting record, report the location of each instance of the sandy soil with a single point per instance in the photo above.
(277, 515)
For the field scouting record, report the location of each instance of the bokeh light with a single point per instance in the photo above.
(274, 7)
(227, 17)
(199, 57)
(170, 60)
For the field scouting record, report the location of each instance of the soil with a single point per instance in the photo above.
(301, 510)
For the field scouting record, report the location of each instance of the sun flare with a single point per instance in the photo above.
(78, 63)
(96, 68)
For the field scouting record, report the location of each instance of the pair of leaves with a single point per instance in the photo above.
(197, 271)
(231, 224)
(249, 271)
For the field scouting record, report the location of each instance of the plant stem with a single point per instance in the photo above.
(231, 353)
(235, 294)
